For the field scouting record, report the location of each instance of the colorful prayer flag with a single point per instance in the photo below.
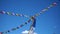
(54, 3)
(13, 13)
(8, 31)
(0, 32)
(17, 27)
(13, 29)
(3, 12)
(17, 14)
(29, 20)
(20, 15)
(25, 22)
(21, 25)
(7, 12)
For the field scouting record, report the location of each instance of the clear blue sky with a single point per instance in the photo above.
(46, 23)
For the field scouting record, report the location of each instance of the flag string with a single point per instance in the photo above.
(14, 14)
(18, 27)
(42, 11)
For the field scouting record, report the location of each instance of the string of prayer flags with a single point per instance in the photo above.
(53, 4)
(13, 29)
(14, 14)
(49, 7)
